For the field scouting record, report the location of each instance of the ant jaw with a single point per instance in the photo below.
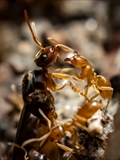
(67, 59)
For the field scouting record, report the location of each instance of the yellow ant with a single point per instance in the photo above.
(101, 85)
(59, 129)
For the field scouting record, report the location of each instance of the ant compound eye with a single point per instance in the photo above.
(44, 57)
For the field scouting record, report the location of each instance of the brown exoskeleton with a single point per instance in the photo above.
(35, 85)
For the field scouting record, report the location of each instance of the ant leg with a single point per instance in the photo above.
(20, 147)
(107, 88)
(61, 85)
(77, 90)
(41, 138)
(80, 119)
(85, 91)
(55, 87)
(106, 92)
(64, 70)
(60, 75)
(77, 124)
(65, 148)
(86, 88)
(94, 96)
(48, 121)
(27, 142)
(108, 103)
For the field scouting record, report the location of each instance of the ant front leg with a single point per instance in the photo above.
(77, 90)
(52, 85)
(65, 70)
(106, 92)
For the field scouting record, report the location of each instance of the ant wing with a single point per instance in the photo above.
(63, 47)
(21, 132)
(32, 29)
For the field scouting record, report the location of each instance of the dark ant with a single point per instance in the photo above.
(35, 85)
(46, 57)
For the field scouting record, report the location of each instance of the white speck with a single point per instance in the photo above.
(67, 107)
(69, 55)
(91, 24)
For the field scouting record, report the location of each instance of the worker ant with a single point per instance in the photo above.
(101, 85)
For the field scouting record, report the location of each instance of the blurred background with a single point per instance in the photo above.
(90, 27)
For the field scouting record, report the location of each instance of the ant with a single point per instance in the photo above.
(35, 85)
(101, 85)
(46, 57)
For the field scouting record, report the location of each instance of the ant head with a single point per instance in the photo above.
(46, 56)
(77, 60)
(72, 60)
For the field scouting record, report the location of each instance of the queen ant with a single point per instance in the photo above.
(35, 96)
(35, 89)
